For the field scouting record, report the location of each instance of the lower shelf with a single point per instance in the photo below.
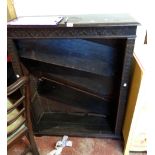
(58, 109)
(88, 126)
(102, 86)
(78, 131)
(77, 122)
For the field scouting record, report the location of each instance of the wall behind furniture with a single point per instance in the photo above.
(57, 7)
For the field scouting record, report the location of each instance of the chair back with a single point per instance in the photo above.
(17, 124)
(18, 115)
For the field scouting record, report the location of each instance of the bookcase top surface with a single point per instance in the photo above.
(87, 20)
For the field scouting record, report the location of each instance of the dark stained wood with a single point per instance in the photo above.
(72, 32)
(67, 122)
(125, 83)
(85, 20)
(12, 51)
(26, 125)
(67, 52)
(99, 86)
(65, 94)
(112, 31)
(75, 127)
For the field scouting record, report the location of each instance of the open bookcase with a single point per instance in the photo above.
(79, 75)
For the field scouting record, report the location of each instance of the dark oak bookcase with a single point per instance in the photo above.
(80, 75)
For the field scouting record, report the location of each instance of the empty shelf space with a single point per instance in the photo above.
(49, 105)
(77, 54)
(53, 117)
(101, 86)
(62, 93)
(76, 125)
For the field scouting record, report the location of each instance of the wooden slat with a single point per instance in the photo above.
(75, 100)
(20, 134)
(15, 86)
(77, 88)
(15, 117)
(17, 103)
(18, 126)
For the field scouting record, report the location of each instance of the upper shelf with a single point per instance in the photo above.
(87, 20)
(77, 54)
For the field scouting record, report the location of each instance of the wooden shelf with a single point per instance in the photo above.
(69, 119)
(69, 96)
(79, 54)
(100, 86)
(97, 128)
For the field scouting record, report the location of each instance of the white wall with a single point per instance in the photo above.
(137, 8)
(35, 7)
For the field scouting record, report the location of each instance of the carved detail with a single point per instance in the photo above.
(75, 32)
